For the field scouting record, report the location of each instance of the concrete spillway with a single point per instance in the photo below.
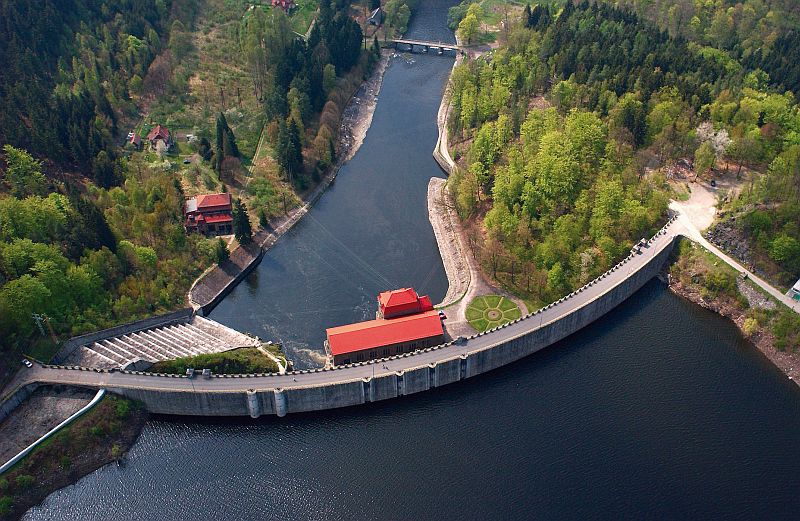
(184, 336)
(313, 390)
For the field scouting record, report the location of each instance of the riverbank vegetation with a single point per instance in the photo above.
(701, 277)
(100, 436)
(247, 360)
(75, 257)
(566, 138)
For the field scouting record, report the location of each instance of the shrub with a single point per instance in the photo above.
(123, 407)
(718, 282)
(750, 326)
(787, 330)
(5, 505)
(3, 484)
(24, 481)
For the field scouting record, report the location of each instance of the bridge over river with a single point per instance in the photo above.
(426, 45)
(319, 389)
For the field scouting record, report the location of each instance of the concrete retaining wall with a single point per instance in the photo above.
(71, 345)
(16, 398)
(207, 307)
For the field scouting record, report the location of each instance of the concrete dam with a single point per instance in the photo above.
(355, 384)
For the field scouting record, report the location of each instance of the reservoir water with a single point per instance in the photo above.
(660, 410)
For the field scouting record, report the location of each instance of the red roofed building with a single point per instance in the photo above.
(381, 337)
(160, 133)
(401, 302)
(286, 5)
(209, 214)
(136, 141)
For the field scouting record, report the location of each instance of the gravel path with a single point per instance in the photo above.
(463, 271)
(43, 410)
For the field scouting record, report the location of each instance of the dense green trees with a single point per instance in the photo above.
(90, 259)
(298, 80)
(562, 190)
(68, 69)
(241, 223)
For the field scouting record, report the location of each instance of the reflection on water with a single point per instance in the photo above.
(660, 410)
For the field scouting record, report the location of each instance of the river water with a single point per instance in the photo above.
(660, 410)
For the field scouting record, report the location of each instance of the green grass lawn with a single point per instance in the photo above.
(238, 361)
(490, 311)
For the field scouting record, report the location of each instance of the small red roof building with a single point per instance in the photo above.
(401, 302)
(286, 5)
(209, 214)
(160, 133)
(136, 141)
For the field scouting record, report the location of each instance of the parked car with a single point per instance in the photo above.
(442, 315)
(27, 363)
(187, 161)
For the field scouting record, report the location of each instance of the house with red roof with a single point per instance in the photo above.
(401, 302)
(135, 141)
(209, 214)
(160, 133)
(286, 5)
(405, 322)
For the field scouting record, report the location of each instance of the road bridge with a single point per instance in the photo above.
(319, 389)
(426, 45)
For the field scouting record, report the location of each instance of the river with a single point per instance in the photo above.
(660, 410)
(370, 231)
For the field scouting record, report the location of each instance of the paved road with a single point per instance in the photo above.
(321, 377)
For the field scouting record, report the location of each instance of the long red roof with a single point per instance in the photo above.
(224, 218)
(381, 332)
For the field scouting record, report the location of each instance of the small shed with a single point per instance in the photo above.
(794, 293)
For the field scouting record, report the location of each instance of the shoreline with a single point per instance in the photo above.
(787, 362)
(355, 123)
(356, 120)
(112, 446)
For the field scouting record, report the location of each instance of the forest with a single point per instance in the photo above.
(297, 83)
(567, 134)
(68, 70)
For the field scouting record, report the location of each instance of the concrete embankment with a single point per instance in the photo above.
(320, 389)
(444, 221)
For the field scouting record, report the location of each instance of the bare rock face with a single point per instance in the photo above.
(729, 237)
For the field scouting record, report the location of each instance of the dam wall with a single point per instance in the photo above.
(263, 394)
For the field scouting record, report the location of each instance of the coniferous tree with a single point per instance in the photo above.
(241, 223)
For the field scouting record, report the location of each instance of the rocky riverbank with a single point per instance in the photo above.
(103, 435)
(694, 277)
